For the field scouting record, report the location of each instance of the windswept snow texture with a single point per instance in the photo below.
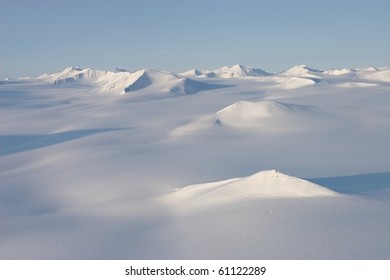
(99, 164)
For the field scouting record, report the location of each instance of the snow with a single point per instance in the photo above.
(124, 82)
(192, 73)
(265, 116)
(339, 71)
(235, 71)
(382, 75)
(264, 184)
(299, 70)
(98, 164)
(251, 114)
(238, 70)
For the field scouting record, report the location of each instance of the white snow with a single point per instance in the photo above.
(337, 72)
(265, 116)
(235, 71)
(124, 82)
(300, 70)
(192, 73)
(238, 70)
(99, 164)
(264, 184)
(375, 74)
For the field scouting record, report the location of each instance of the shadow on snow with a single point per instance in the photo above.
(11, 144)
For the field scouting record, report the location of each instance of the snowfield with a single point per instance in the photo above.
(231, 163)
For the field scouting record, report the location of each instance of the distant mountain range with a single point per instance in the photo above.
(121, 81)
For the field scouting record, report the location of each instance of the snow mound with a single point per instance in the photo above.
(192, 73)
(266, 116)
(371, 73)
(300, 70)
(264, 184)
(248, 114)
(300, 76)
(295, 82)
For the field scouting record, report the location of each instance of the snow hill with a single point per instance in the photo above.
(259, 116)
(249, 114)
(122, 81)
(301, 70)
(372, 73)
(264, 184)
(193, 73)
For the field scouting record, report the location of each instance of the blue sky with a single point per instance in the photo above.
(39, 36)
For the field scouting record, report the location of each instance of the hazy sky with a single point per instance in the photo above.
(39, 36)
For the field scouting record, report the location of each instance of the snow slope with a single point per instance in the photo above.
(104, 166)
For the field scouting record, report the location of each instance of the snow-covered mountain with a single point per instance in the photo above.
(235, 71)
(337, 72)
(301, 70)
(371, 73)
(122, 81)
(193, 73)
(72, 74)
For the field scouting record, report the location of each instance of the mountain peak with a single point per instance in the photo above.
(238, 66)
(71, 69)
(237, 71)
(301, 70)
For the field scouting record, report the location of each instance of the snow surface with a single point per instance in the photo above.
(156, 165)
